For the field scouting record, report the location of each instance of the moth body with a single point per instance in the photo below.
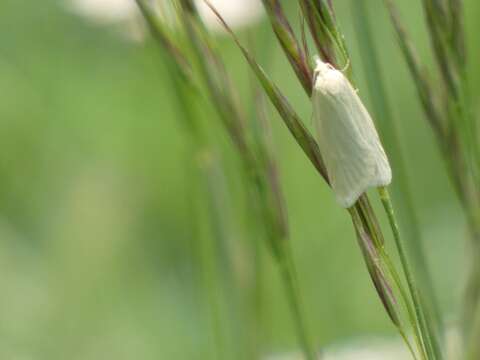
(349, 143)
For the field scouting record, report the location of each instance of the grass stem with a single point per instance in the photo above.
(430, 343)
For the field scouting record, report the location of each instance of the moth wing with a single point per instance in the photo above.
(349, 143)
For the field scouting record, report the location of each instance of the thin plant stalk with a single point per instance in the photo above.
(431, 345)
(406, 303)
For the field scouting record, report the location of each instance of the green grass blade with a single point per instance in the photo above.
(301, 134)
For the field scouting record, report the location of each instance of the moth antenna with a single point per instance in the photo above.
(345, 68)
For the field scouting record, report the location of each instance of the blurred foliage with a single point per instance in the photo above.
(97, 245)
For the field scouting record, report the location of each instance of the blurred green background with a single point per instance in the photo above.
(97, 238)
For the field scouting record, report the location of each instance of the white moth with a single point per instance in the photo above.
(349, 143)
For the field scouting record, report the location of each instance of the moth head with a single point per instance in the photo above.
(325, 77)
(321, 68)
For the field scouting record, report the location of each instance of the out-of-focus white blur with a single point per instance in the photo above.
(237, 13)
